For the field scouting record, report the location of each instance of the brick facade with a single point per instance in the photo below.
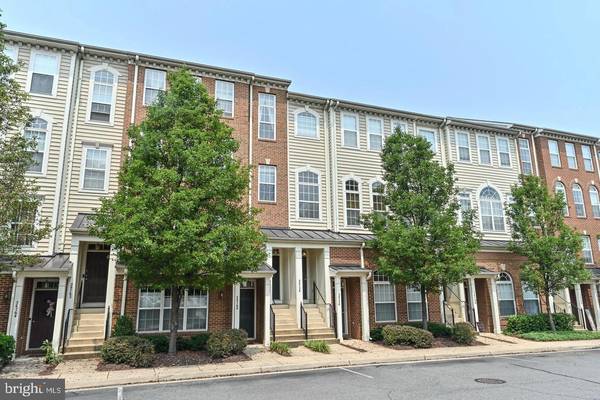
(6, 285)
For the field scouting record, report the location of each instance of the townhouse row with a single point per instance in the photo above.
(316, 169)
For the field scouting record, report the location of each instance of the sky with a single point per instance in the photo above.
(531, 62)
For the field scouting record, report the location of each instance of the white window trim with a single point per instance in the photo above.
(162, 309)
(435, 137)
(353, 115)
(402, 124)
(590, 248)
(467, 194)
(232, 97)
(530, 162)
(84, 151)
(369, 133)
(557, 154)
(274, 117)
(116, 76)
(498, 140)
(49, 121)
(375, 302)
(414, 302)
(360, 195)
(377, 179)
(479, 148)
(16, 49)
(584, 158)
(582, 200)
(56, 74)
(145, 83)
(537, 298)
(36, 224)
(593, 188)
(297, 175)
(478, 199)
(314, 114)
(274, 185)
(514, 299)
(572, 145)
(565, 197)
(456, 134)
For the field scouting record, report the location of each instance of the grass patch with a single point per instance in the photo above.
(280, 348)
(317, 345)
(560, 336)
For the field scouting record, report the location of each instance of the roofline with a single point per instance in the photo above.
(466, 123)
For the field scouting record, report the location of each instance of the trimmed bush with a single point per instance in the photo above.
(134, 351)
(376, 334)
(124, 327)
(280, 348)
(198, 342)
(463, 333)
(560, 336)
(517, 324)
(436, 328)
(227, 343)
(160, 343)
(407, 335)
(7, 349)
(319, 346)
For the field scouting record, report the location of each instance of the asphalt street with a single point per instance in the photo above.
(569, 375)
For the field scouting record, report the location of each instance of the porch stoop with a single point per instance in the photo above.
(88, 334)
(286, 327)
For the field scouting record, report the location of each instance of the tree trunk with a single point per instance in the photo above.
(175, 303)
(550, 316)
(424, 313)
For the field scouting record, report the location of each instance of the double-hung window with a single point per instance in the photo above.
(37, 131)
(308, 195)
(483, 148)
(595, 201)
(384, 294)
(464, 200)
(224, 93)
(399, 125)
(154, 311)
(94, 171)
(306, 124)
(571, 157)
(586, 252)
(375, 133)
(350, 130)
(102, 96)
(588, 164)
(503, 151)
(578, 200)
(155, 81)
(506, 295)
(559, 190)
(413, 301)
(429, 135)
(525, 153)
(266, 183)
(12, 52)
(377, 190)
(531, 301)
(491, 210)
(554, 154)
(462, 146)
(266, 117)
(22, 224)
(44, 73)
(352, 189)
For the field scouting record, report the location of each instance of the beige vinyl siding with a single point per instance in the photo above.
(105, 135)
(51, 108)
(472, 176)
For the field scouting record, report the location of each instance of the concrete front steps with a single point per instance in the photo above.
(88, 334)
(286, 327)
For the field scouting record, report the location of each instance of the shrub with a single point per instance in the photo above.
(436, 328)
(517, 324)
(50, 356)
(280, 348)
(407, 335)
(160, 343)
(227, 343)
(183, 343)
(560, 336)
(124, 327)
(319, 346)
(463, 333)
(376, 334)
(7, 349)
(198, 342)
(134, 351)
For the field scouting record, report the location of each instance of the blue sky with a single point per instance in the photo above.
(533, 62)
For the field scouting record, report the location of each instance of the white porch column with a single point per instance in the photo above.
(235, 309)
(74, 259)
(568, 307)
(15, 312)
(596, 304)
(442, 306)
(298, 282)
(551, 306)
(338, 308)
(364, 308)
(58, 316)
(463, 302)
(267, 310)
(327, 284)
(495, 308)
(110, 285)
(579, 304)
(473, 302)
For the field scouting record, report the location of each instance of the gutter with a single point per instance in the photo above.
(250, 139)
(328, 171)
(333, 135)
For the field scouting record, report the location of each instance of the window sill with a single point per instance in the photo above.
(350, 148)
(267, 202)
(100, 123)
(307, 137)
(92, 191)
(229, 117)
(48, 96)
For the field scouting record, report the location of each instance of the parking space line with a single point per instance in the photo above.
(357, 373)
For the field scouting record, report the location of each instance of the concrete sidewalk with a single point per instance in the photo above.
(80, 374)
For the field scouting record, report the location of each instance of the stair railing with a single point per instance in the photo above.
(304, 320)
(329, 306)
(449, 308)
(273, 336)
(107, 323)
(65, 331)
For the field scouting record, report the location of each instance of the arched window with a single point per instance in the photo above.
(352, 189)
(559, 188)
(531, 301)
(306, 124)
(37, 130)
(102, 96)
(506, 294)
(491, 210)
(595, 201)
(308, 194)
(578, 200)
(377, 189)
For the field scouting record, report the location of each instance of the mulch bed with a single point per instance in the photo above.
(48, 370)
(181, 358)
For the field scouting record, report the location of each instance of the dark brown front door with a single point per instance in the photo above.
(96, 274)
(42, 317)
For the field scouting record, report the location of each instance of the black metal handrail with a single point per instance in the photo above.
(273, 336)
(333, 317)
(449, 307)
(107, 323)
(304, 320)
(65, 331)
(316, 291)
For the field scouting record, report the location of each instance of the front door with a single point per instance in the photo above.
(43, 311)
(276, 277)
(247, 308)
(94, 278)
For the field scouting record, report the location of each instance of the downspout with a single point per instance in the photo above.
(446, 151)
(334, 161)
(124, 292)
(328, 172)
(534, 151)
(444, 127)
(597, 166)
(135, 83)
(12, 302)
(250, 139)
(362, 258)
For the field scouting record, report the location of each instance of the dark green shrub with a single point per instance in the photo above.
(7, 349)
(134, 351)
(50, 356)
(198, 342)
(436, 328)
(319, 346)
(183, 343)
(227, 343)
(517, 324)
(463, 333)
(124, 327)
(376, 334)
(280, 348)
(160, 343)
(407, 335)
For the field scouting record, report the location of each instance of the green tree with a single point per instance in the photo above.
(178, 219)
(539, 233)
(18, 193)
(419, 240)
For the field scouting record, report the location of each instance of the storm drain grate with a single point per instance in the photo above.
(490, 381)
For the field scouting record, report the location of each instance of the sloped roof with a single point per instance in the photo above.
(314, 235)
(57, 262)
(82, 223)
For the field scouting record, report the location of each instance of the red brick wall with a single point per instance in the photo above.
(6, 285)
